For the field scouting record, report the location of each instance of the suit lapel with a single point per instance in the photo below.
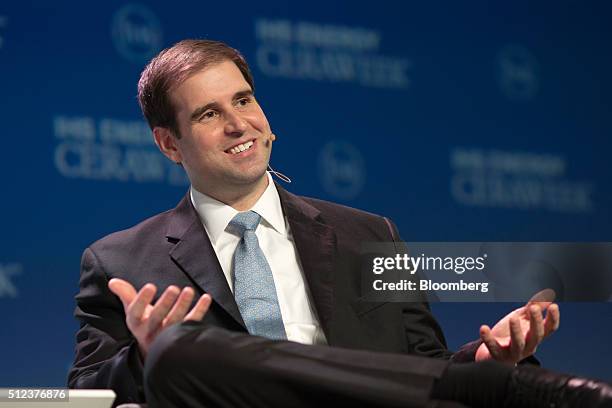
(314, 240)
(316, 245)
(194, 254)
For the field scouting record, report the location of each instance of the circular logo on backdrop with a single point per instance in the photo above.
(136, 32)
(341, 169)
(3, 21)
(518, 72)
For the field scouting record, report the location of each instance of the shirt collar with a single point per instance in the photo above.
(215, 215)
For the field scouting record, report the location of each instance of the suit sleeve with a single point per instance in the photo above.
(423, 333)
(106, 353)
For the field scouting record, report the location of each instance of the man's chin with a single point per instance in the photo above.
(252, 177)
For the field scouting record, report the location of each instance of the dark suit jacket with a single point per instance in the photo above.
(172, 248)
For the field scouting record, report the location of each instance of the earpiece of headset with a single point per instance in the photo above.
(280, 175)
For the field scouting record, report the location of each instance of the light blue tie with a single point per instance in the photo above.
(254, 287)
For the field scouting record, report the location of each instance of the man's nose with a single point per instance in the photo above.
(235, 124)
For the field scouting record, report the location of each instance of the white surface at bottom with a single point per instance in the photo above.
(76, 399)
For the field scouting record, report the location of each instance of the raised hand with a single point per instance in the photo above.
(519, 333)
(145, 320)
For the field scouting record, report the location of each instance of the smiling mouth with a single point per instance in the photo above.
(240, 148)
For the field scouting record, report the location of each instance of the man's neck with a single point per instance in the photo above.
(241, 198)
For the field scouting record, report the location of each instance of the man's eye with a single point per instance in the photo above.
(243, 101)
(208, 115)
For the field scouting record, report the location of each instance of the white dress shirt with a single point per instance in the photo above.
(276, 242)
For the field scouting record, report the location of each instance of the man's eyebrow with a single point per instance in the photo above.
(195, 115)
(242, 94)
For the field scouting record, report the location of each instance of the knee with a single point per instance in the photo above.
(167, 354)
(191, 347)
(184, 347)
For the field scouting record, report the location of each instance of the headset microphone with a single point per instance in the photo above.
(270, 140)
(272, 171)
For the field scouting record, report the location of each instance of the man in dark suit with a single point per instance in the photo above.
(194, 335)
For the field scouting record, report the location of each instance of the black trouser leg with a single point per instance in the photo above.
(191, 365)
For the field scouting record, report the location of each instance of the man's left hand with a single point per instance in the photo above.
(519, 333)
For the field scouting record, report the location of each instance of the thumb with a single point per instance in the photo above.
(123, 289)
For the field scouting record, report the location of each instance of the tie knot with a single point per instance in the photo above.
(245, 221)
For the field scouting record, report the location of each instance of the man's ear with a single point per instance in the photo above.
(166, 142)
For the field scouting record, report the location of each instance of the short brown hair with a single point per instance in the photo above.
(171, 67)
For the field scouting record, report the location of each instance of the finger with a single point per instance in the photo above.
(180, 308)
(553, 317)
(536, 330)
(162, 307)
(543, 296)
(200, 309)
(517, 340)
(123, 289)
(541, 305)
(543, 299)
(136, 308)
(495, 349)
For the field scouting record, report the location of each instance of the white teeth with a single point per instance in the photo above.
(241, 147)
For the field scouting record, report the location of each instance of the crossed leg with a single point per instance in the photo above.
(191, 365)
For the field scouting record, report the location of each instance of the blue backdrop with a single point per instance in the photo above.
(459, 121)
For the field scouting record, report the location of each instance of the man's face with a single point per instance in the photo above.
(217, 117)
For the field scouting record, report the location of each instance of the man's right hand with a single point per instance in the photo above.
(145, 320)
